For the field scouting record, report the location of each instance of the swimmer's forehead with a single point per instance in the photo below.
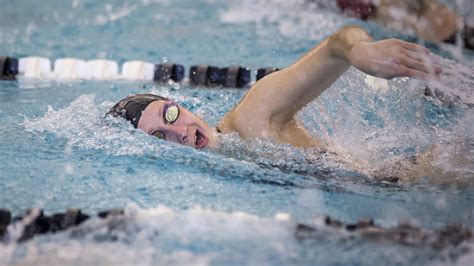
(152, 117)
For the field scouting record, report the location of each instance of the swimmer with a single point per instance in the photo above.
(427, 19)
(268, 110)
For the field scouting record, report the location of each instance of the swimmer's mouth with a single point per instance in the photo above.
(201, 140)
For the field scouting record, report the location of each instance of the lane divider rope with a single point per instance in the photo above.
(35, 67)
(35, 222)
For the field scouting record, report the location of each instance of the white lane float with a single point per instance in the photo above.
(34, 67)
(70, 68)
(138, 70)
(102, 69)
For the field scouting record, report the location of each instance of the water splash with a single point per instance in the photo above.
(83, 125)
(381, 132)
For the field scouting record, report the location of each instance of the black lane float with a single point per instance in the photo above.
(8, 68)
(262, 72)
(229, 77)
(166, 72)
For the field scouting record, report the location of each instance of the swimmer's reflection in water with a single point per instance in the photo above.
(269, 108)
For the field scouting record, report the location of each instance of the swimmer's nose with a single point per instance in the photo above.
(183, 138)
(180, 133)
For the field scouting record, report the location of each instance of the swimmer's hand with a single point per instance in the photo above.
(393, 58)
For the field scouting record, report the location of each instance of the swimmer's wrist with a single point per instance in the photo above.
(343, 42)
(358, 49)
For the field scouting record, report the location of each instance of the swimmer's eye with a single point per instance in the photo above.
(170, 113)
(159, 135)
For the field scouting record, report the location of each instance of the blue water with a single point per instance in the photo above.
(186, 206)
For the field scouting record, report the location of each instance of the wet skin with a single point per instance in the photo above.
(188, 129)
(269, 108)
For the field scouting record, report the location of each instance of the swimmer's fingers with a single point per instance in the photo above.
(420, 53)
(414, 73)
(425, 59)
(423, 66)
(418, 56)
(415, 47)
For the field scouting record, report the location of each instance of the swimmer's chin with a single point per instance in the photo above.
(211, 147)
(211, 140)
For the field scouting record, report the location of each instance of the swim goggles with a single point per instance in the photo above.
(170, 115)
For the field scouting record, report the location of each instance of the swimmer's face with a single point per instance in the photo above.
(167, 120)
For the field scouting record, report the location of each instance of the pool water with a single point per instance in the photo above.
(186, 206)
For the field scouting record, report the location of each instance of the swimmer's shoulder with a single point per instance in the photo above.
(246, 124)
(296, 134)
(225, 125)
(247, 118)
(292, 133)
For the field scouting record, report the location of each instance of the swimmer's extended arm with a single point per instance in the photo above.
(278, 97)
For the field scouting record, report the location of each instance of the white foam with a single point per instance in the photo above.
(377, 84)
(380, 123)
(74, 252)
(198, 224)
(292, 18)
(282, 216)
(81, 123)
(34, 67)
(138, 70)
(69, 68)
(101, 69)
